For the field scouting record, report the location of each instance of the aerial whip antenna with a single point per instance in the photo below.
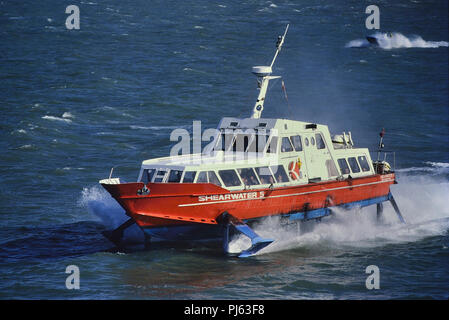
(264, 76)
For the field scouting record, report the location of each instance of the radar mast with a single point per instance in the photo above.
(264, 76)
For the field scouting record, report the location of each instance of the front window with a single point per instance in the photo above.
(230, 178)
(189, 177)
(213, 178)
(296, 140)
(354, 165)
(286, 145)
(319, 141)
(208, 177)
(147, 175)
(175, 176)
(364, 163)
(202, 177)
(344, 168)
(160, 175)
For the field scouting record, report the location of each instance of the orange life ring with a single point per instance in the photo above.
(293, 169)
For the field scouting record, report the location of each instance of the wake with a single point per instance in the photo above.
(421, 198)
(397, 40)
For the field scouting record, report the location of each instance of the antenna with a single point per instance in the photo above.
(264, 76)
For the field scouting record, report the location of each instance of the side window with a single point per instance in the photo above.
(286, 145)
(230, 178)
(248, 176)
(279, 173)
(175, 176)
(265, 175)
(296, 140)
(189, 177)
(202, 177)
(147, 175)
(344, 168)
(319, 141)
(160, 175)
(363, 163)
(213, 178)
(354, 165)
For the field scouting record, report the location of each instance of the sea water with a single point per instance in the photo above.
(75, 103)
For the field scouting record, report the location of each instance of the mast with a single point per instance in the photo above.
(264, 76)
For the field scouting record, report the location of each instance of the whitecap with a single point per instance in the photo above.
(56, 119)
(67, 115)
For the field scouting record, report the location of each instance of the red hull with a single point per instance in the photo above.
(172, 204)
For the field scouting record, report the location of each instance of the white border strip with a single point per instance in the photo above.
(285, 195)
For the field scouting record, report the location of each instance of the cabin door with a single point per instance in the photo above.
(319, 162)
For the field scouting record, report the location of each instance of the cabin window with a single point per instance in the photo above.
(306, 141)
(364, 163)
(319, 141)
(225, 140)
(279, 174)
(331, 169)
(296, 140)
(241, 142)
(208, 177)
(160, 175)
(344, 168)
(147, 175)
(312, 141)
(265, 175)
(248, 176)
(354, 165)
(272, 146)
(189, 177)
(202, 177)
(252, 143)
(256, 142)
(286, 145)
(213, 178)
(230, 178)
(175, 176)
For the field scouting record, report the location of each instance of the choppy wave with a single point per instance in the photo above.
(397, 40)
(53, 118)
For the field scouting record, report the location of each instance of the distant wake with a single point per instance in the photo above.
(396, 40)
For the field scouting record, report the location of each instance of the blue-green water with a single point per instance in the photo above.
(75, 103)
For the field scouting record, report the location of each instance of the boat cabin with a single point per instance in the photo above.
(256, 153)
